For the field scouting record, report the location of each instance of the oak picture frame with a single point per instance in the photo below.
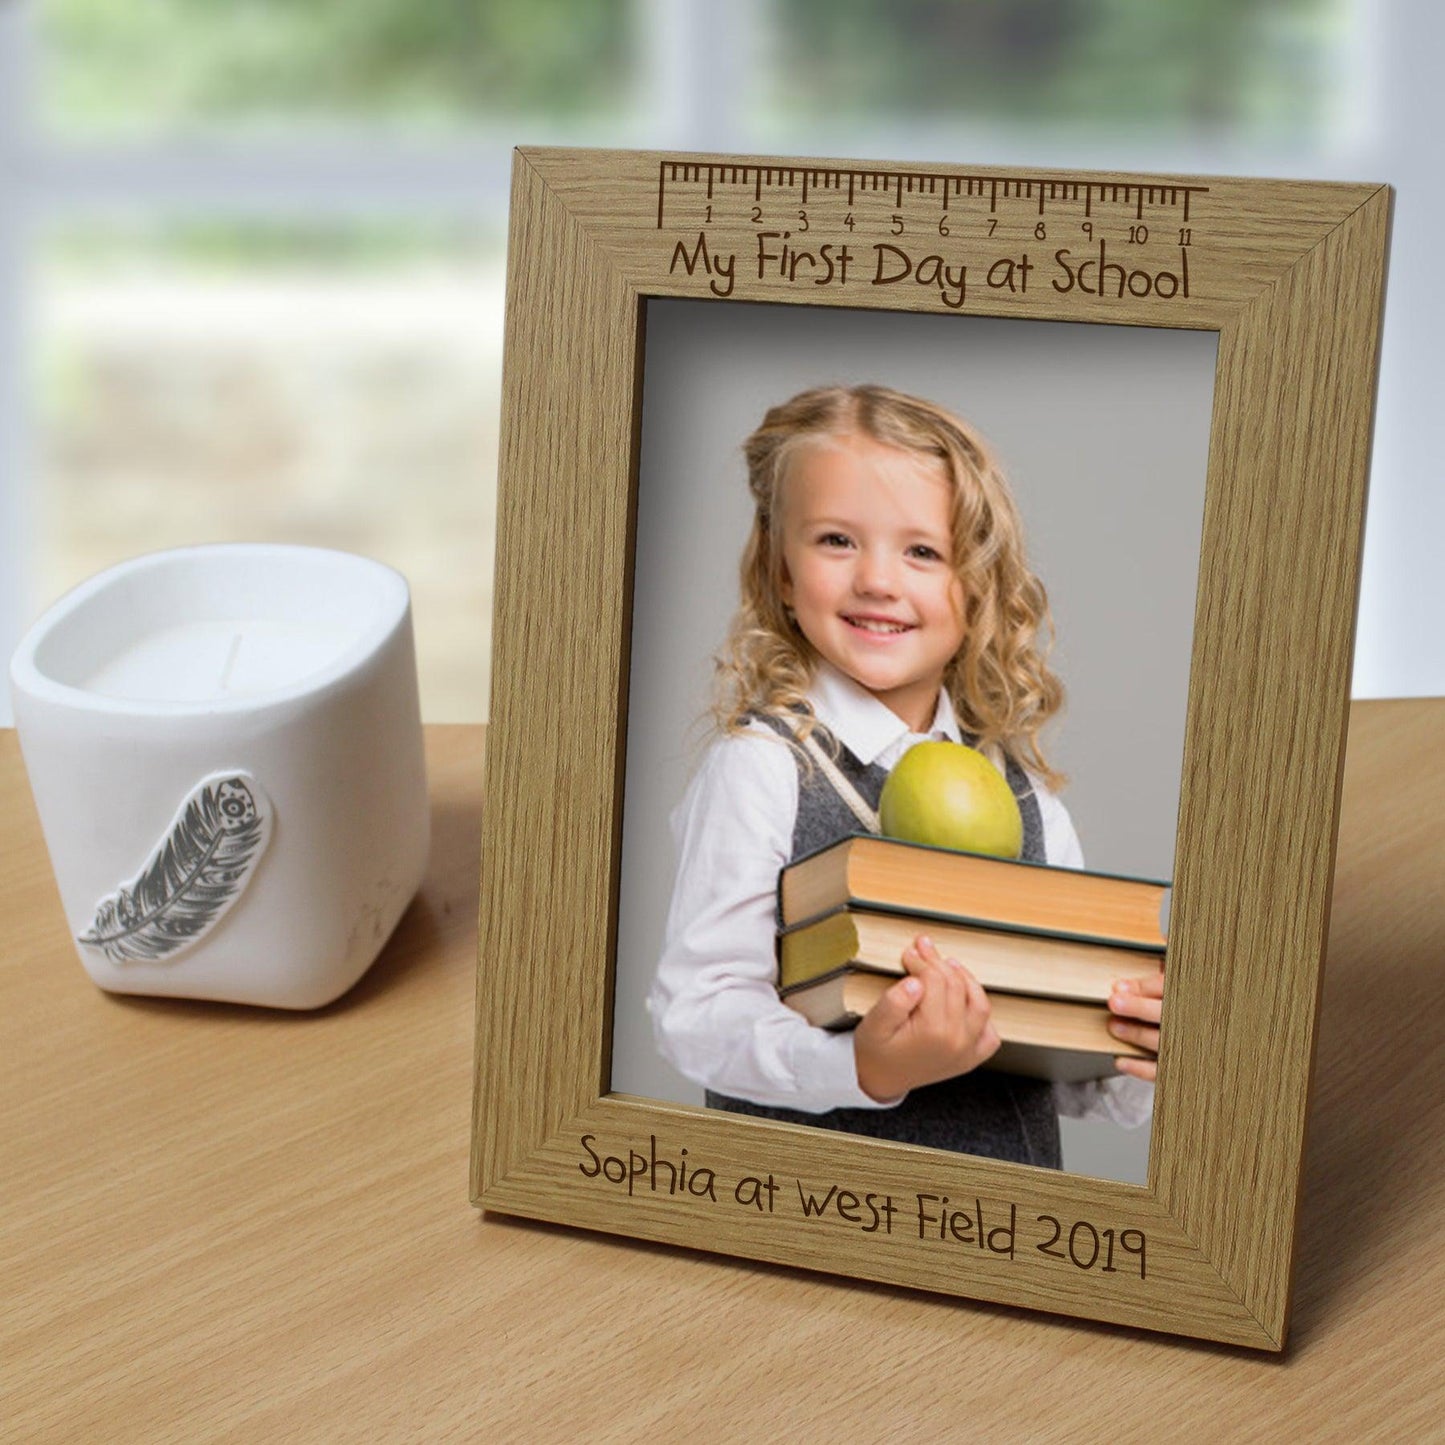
(1291, 277)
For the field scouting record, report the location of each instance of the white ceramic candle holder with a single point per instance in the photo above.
(225, 749)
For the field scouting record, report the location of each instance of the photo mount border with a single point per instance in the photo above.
(1291, 276)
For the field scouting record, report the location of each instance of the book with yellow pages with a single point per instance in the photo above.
(1044, 964)
(887, 875)
(1041, 1038)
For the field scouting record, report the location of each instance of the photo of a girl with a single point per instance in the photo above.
(886, 599)
(834, 561)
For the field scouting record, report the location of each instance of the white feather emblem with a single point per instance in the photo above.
(193, 876)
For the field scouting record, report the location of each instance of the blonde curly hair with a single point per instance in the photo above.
(1002, 688)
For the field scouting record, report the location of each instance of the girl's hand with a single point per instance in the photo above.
(929, 1026)
(1139, 999)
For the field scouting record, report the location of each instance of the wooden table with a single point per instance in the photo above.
(225, 1222)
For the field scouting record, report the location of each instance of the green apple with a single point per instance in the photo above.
(950, 796)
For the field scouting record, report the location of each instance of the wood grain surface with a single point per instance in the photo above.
(1291, 274)
(228, 1223)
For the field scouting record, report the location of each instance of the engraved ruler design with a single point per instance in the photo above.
(953, 238)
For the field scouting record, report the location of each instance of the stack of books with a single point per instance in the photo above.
(1046, 943)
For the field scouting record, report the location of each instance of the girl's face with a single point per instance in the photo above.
(867, 567)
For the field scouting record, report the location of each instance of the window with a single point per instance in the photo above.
(256, 249)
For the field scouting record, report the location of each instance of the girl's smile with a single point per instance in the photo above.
(878, 626)
(867, 567)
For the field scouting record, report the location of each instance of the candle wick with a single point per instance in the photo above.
(230, 662)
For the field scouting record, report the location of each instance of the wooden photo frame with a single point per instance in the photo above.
(1290, 276)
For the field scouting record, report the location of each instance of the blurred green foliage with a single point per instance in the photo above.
(1197, 64)
(226, 244)
(155, 65)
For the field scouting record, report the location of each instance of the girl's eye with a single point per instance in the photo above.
(925, 553)
(834, 539)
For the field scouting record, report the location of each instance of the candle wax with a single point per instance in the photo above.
(216, 660)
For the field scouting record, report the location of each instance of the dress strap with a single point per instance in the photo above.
(850, 795)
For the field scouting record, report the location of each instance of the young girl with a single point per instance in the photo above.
(885, 599)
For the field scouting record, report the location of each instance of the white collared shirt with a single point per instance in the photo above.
(714, 1003)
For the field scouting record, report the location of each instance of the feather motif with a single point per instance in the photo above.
(194, 874)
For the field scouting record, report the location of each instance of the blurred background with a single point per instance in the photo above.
(251, 253)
